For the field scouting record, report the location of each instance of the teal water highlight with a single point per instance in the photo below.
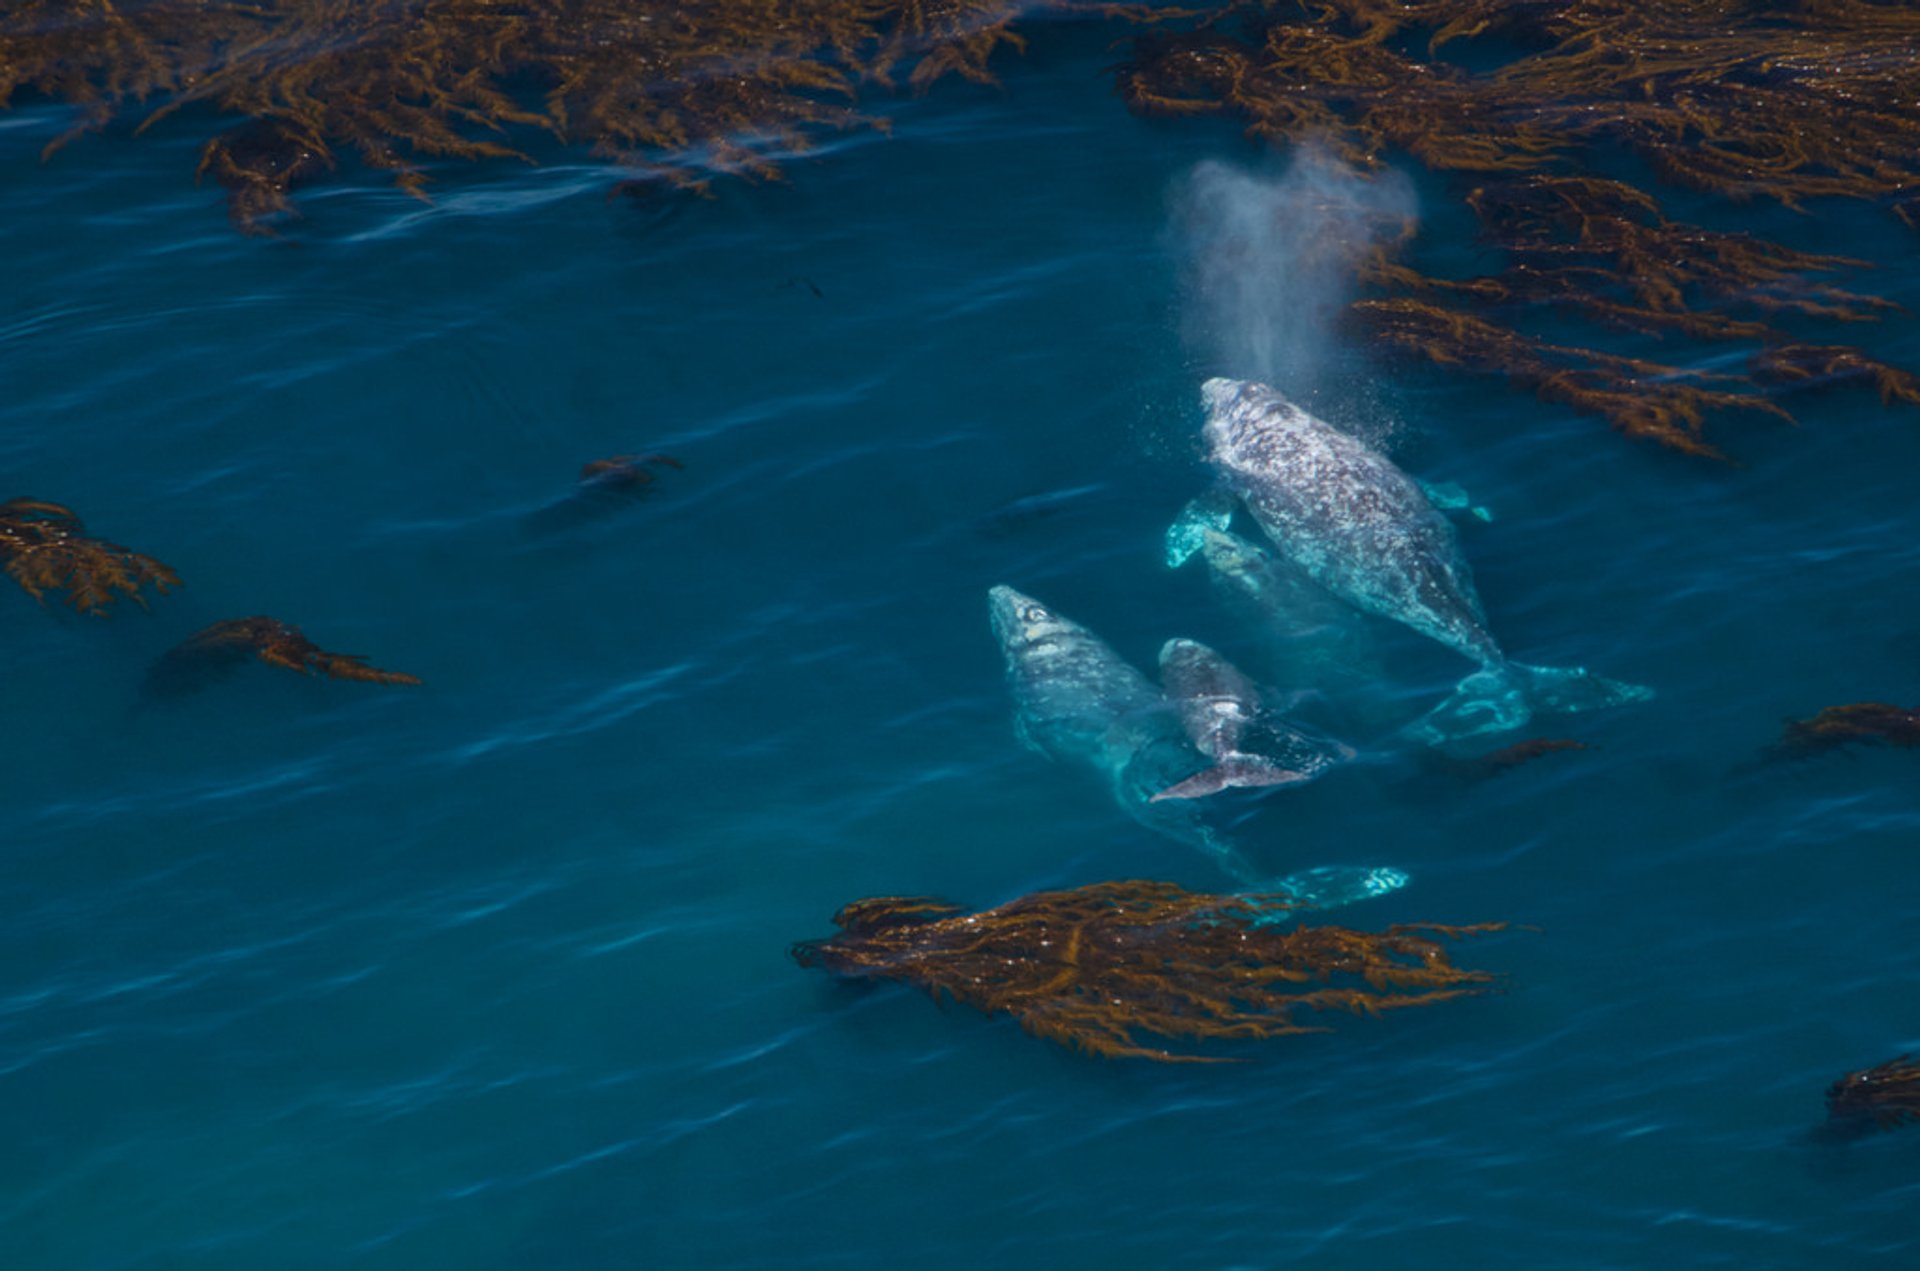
(493, 973)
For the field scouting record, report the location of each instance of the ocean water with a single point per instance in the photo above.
(493, 973)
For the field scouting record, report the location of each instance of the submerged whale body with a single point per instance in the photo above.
(1221, 710)
(1317, 642)
(1365, 531)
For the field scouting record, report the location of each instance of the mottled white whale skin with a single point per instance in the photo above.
(1077, 700)
(1219, 706)
(1364, 530)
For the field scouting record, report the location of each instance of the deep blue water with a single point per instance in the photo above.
(494, 973)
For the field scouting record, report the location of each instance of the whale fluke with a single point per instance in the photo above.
(1233, 772)
(1188, 533)
(1497, 698)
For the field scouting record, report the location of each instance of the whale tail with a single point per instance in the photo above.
(1188, 533)
(1233, 771)
(1496, 699)
(1327, 887)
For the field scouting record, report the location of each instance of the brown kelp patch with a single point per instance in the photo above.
(1107, 967)
(1733, 97)
(1878, 1098)
(1869, 723)
(46, 548)
(725, 84)
(216, 651)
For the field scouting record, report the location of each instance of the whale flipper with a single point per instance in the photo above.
(1233, 772)
(1495, 699)
(1188, 533)
(1450, 496)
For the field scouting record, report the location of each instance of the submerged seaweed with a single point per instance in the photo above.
(1878, 1098)
(216, 651)
(46, 548)
(1105, 967)
(1870, 723)
(1503, 760)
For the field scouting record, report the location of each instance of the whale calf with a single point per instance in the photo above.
(1220, 708)
(1365, 531)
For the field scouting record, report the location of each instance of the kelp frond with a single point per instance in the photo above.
(625, 472)
(1870, 723)
(1878, 1098)
(1107, 967)
(46, 548)
(1505, 759)
(219, 648)
(723, 84)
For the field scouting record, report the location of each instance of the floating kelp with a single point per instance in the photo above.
(1741, 99)
(1879, 1098)
(625, 473)
(606, 487)
(46, 548)
(1105, 967)
(722, 83)
(1871, 723)
(218, 650)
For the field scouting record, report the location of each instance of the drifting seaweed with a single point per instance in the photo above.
(626, 473)
(1733, 97)
(46, 548)
(669, 90)
(1871, 723)
(216, 651)
(1879, 1098)
(1505, 759)
(606, 486)
(1103, 968)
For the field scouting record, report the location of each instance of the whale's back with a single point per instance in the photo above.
(1347, 515)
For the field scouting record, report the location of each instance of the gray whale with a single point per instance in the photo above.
(1366, 531)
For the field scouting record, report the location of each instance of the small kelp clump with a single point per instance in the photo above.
(626, 474)
(46, 548)
(1878, 1098)
(215, 652)
(606, 488)
(1503, 760)
(1869, 723)
(669, 88)
(1735, 97)
(1106, 967)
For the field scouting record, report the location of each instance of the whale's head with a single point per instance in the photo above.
(1241, 413)
(1019, 620)
(1219, 393)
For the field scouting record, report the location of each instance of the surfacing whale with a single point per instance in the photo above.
(1364, 530)
(1079, 701)
(1076, 699)
(1221, 709)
